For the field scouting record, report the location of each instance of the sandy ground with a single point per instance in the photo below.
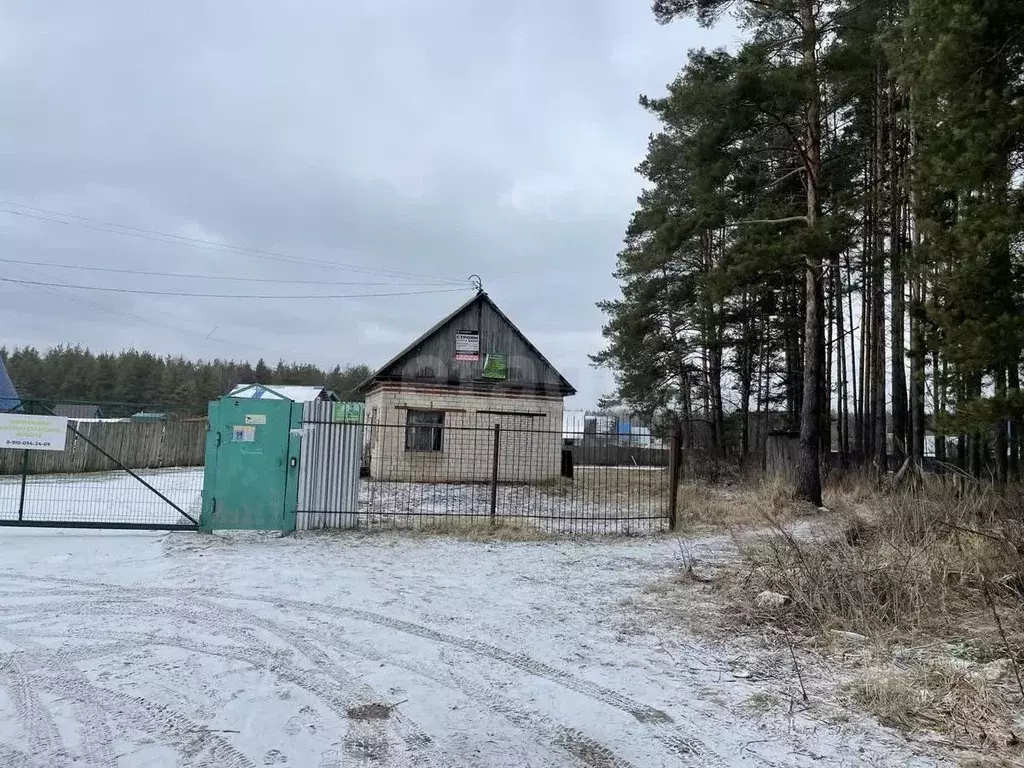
(249, 650)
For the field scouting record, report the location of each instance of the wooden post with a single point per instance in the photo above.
(674, 468)
(494, 473)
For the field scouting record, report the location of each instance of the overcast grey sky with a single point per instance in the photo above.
(434, 138)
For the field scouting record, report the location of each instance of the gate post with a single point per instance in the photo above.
(674, 468)
(494, 473)
(24, 479)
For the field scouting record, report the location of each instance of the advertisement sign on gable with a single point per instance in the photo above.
(467, 345)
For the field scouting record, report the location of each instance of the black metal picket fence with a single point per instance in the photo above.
(447, 473)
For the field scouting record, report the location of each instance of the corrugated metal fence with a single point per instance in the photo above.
(329, 463)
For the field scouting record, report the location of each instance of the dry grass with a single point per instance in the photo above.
(768, 502)
(921, 566)
(611, 483)
(942, 698)
(480, 528)
(937, 570)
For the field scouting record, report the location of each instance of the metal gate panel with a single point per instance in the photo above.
(89, 483)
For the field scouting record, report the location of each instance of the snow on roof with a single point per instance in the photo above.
(279, 392)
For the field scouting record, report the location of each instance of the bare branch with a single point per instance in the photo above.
(781, 179)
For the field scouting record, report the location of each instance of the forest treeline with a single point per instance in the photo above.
(68, 373)
(832, 231)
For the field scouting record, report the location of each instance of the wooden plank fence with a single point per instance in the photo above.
(136, 444)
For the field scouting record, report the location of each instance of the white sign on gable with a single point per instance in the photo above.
(467, 345)
(33, 433)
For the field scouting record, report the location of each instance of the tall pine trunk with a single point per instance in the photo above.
(842, 406)
(1013, 427)
(878, 294)
(898, 327)
(808, 477)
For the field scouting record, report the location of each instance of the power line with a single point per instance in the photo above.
(187, 294)
(131, 315)
(205, 245)
(201, 277)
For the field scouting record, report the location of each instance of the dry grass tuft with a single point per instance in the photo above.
(942, 698)
(922, 566)
(767, 502)
(480, 528)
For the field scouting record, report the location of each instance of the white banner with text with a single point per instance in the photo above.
(33, 433)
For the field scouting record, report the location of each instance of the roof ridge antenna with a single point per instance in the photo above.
(477, 283)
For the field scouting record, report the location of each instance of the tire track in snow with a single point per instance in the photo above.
(338, 690)
(683, 747)
(371, 739)
(94, 732)
(13, 758)
(318, 684)
(368, 740)
(55, 672)
(44, 741)
(567, 740)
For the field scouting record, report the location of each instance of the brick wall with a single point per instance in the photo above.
(530, 443)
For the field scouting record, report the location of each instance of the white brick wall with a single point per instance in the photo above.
(530, 446)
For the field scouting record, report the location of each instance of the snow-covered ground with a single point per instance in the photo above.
(147, 649)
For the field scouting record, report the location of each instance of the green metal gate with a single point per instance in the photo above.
(252, 460)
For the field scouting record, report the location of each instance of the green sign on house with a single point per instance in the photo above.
(495, 366)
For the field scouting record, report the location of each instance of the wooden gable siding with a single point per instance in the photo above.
(433, 360)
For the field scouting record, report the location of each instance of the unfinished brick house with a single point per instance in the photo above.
(433, 407)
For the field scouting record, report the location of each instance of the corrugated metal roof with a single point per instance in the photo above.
(281, 392)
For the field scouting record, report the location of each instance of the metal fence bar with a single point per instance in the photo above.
(494, 471)
(674, 469)
(24, 481)
(95, 524)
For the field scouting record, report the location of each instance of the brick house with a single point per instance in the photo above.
(433, 407)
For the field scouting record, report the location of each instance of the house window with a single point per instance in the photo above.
(424, 430)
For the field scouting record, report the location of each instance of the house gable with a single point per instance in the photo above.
(431, 360)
